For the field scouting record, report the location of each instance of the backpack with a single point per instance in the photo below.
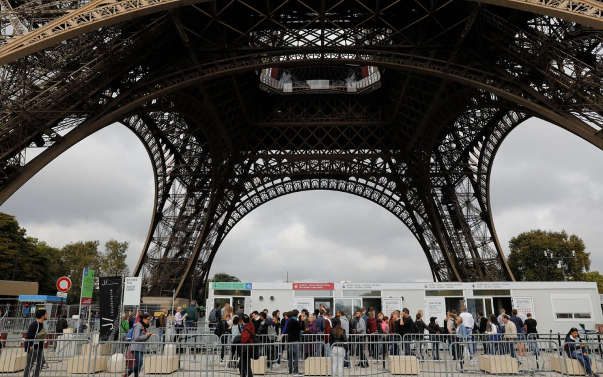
(212, 315)
(219, 329)
(130, 334)
(255, 350)
(271, 330)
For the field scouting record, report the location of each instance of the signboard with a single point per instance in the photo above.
(132, 288)
(390, 305)
(110, 301)
(40, 298)
(304, 303)
(435, 307)
(87, 283)
(367, 286)
(63, 284)
(62, 294)
(232, 286)
(524, 305)
(86, 301)
(314, 286)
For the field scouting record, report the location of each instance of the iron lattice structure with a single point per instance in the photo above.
(404, 103)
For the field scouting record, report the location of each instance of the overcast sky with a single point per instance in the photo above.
(102, 189)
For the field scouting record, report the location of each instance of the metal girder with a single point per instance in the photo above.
(100, 13)
(453, 79)
(585, 12)
(93, 15)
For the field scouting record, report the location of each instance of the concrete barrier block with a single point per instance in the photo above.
(86, 364)
(317, 366)
(12, 359)
(572, 367)
(161, 364)
(403, 365)
(499, 364)
(259, 366)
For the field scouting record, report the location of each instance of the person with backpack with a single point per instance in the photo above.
(420, 328)
(124, 326)
(293, 330)
(214, 316)
(361, 336)
(34, 344)
(337, 338)
(434, 335)
(247, 341)
(221, 332)
(140, 334)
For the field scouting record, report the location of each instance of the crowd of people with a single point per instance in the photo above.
(301, 334)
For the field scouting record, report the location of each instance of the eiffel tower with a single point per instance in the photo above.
(404, 103)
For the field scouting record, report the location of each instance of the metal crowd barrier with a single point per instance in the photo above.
(361, 355)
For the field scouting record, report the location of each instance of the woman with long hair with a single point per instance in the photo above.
(337, 338)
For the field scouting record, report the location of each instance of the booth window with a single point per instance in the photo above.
(491, 292)
(232, 293)
(444, 292)
(580, 305)
(313, 293)
(360, 293)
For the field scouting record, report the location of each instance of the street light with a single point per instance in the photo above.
(561, 261)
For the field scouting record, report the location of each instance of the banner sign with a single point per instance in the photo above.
(435, 307)
(314, 286)
(524, 305)
(87, 283)
(304, 303)
(86, 296)
(110, 301)
(232, 286)
(391, 304)
(132, 289)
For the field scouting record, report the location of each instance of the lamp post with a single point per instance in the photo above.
(562, 261)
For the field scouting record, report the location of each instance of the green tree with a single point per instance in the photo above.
(54, 265)
(77, 256)
(113, 261)
(595, 276)
(21, 258)
(224, 277)
(548, 256)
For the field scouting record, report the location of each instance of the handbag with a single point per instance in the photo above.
(130, 361)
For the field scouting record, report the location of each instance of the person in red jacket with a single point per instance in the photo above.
(372, 328)
(247, 335)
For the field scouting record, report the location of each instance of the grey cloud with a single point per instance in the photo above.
(103, 188)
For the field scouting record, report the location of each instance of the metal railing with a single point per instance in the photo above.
(362, 355)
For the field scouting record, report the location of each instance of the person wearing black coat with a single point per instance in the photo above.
(406, 326)
(33, 347)
(62, 324)
(434, 335)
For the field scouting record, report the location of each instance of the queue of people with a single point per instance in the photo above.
(302, 334)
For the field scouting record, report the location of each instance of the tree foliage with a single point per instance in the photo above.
(77, 256)
(20, 259)
(595, 276)
(28, 259)
(113, 261)
(224, 277)
(528, 259)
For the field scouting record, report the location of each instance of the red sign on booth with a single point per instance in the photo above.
(86, 301)
(314, 286)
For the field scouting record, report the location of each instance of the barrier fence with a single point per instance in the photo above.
(196, 354)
